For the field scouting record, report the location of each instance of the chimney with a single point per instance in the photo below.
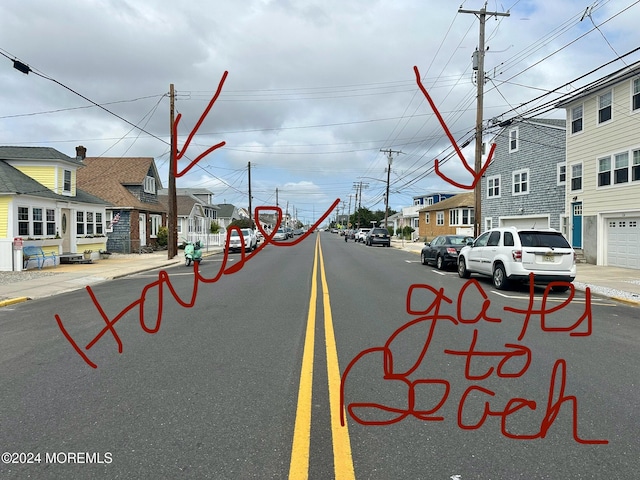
(81, 153)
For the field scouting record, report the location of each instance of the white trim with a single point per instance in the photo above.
(526, 182)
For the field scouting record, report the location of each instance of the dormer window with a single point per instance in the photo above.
(149, 185)
(66, 186)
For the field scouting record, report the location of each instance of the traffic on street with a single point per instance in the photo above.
(318, 358)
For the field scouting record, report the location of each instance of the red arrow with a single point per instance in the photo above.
(476, 176)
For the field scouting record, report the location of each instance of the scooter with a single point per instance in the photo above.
(192, 253)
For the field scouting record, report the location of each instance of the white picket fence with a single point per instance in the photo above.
(207, 241)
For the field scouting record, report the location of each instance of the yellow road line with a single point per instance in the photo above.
(342, 459)
(299, 466)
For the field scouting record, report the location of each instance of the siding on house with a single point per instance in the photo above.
(4, 213)
(595, 141)
(540, 148)
(606, 217)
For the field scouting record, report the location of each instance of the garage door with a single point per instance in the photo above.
(623, 239)
(525, 222)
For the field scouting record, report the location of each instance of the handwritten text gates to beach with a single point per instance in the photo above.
(504, 366)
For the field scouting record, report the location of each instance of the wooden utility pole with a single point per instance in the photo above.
(478, 65)
(172, 237)
(389, 153)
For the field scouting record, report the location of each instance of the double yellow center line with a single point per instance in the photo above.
(342, 461)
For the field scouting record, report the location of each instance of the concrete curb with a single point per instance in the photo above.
(12, 301)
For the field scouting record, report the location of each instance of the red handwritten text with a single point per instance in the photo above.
(512, 362)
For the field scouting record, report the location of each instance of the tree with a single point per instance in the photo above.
(215, 227)
(243, 223)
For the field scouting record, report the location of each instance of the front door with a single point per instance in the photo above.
(65, 229)
(576, 225)
(143, 229)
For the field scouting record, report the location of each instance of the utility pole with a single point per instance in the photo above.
(358, 186)
(250, 213)
(479, 66)
(172, 240)
(389, 153)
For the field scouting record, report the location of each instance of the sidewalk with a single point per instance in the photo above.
(621, 284)
(18, 287)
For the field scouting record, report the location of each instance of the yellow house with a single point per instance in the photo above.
(41, 206)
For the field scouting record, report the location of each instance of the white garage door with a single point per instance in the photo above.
(525, 222)
(623, 242)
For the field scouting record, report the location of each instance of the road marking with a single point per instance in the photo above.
(299, 466)
(602, 303)
(342, 459)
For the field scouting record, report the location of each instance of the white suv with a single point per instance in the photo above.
(361, 234)
(510, 254)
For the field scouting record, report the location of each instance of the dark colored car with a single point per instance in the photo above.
(443, 251)
(378, 236)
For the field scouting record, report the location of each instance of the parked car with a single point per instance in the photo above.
(280, 234)
(443, 251)
(509, 255)
(249, 237)
(378, 236)
(361, 234)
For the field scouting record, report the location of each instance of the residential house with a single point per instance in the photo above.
(410, 215)
(130, 185)
(603, 169)
(41, 203)
(227, 213)
(195, 213)
(524, 186)
(453, 216)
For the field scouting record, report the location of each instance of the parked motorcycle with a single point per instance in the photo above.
(192, 253)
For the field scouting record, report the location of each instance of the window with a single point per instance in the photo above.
(99, 224)
(520, 182)
(90, 230)
(494, 239)
(51, 221)
(576, 177)
(576, 119)
(79, 223)
(156, 223)
(461, 216)
(89, 223)
(149, 185)
(604, 171)
(621, 171)
(635, 95)
(562, 174)
(439, 218)
(604, 107)
(23, 221)
(427, 216)
(481, 241)
(493, 186)
(513, 140)
(508, 239)
(488, 223)
(66, 187)
(37, 221)
(635, 168)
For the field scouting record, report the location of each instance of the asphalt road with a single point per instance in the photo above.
(245, 380)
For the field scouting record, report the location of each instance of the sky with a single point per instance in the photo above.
(316, 90)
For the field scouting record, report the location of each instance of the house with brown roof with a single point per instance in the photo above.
(453, 216)
(130, 185)
(195, 213)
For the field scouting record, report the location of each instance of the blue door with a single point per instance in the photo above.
(576, 225)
